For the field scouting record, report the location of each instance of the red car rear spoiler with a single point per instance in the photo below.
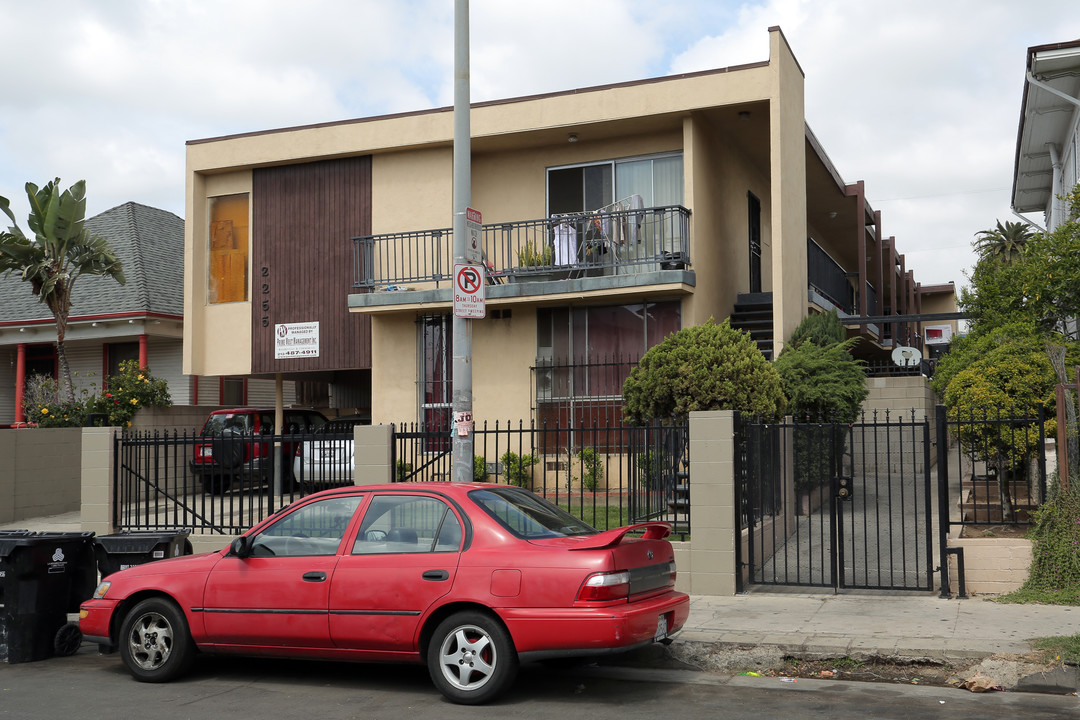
(608, 538)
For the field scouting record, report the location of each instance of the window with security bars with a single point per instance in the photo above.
(585, 354)
(436, 377)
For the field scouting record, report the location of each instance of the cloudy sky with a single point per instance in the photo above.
(919, 99)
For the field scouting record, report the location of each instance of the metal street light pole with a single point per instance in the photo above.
(462, 447)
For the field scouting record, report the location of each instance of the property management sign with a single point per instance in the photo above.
(296, 340)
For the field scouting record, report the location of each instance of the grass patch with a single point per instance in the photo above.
(1064, 648)
(601, 517)
(1039, 596)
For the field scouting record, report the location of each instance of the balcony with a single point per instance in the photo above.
(616, 246)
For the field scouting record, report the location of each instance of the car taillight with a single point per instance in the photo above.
(605, 586)
(672, 573)
(204, 453)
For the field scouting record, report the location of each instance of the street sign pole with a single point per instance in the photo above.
(462, 443)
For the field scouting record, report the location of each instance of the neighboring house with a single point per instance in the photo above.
(612, 215)
(109, 323)
(1048, 140)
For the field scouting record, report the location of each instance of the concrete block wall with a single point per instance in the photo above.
(39, 472)
(991, 565)
(711, 553)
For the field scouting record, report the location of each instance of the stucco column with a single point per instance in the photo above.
(712, 503)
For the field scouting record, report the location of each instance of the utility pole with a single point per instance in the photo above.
(462, 447)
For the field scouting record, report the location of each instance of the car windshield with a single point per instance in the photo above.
(527, 515)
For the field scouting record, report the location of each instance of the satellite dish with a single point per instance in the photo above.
(906, 356)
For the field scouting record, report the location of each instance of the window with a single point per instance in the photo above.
(436, 372)
(578, 188)
(228, 262)
(407, 524)
(315, 529)
(528, 516)
(584, 355)
(232, 391)
(117, 353)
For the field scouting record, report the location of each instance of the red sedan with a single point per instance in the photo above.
(468, 578)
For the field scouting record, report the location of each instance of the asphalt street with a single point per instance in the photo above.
(91, 685)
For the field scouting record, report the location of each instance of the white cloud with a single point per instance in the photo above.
(920, 99)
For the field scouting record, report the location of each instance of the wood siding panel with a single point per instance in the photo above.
(303, 218)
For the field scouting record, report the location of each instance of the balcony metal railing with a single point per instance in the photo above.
(618, 241)
(827, 277)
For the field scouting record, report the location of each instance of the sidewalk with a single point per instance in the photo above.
(913, 626)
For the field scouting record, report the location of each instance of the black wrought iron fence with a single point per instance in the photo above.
(217, 484)
(608, 476)
(998, 462)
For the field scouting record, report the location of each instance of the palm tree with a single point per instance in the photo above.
(1005, 242)
(61, 250)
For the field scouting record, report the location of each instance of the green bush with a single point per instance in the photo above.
(517, 470)
(1054, 577)
(650, 468)
(124, 395)
(479, 468)
(592, 468)
(403, 470)
(705, 367)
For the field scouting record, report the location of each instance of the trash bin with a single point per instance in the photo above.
(43, 577)
(134, 547)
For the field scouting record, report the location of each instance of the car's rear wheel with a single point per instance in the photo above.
(471, 658)
(155, 643)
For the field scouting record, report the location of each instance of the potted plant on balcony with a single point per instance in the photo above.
(531, 257)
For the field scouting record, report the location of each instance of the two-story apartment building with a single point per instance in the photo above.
(612, 216)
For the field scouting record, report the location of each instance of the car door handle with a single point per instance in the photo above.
(436, 575)
(314, 576)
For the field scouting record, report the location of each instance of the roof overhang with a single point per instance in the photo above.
(1045, 119)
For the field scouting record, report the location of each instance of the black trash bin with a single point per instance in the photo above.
(43, 577)
(135, 547)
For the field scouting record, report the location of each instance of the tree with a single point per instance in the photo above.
(705, 367)
(823, 383)
(1004, 242)
(1050, 278)
(61, 251)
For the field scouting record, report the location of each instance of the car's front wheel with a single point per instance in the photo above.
(155, 643)
(471, 658)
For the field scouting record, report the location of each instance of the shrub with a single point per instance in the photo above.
(479, 468)
(1054, 576)
(128, 392)
(649, 465)
(45, 409)
(705, 367)
(517, 470)
(403, 470)
(592, 468)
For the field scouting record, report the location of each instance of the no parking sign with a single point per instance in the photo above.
(469, 298)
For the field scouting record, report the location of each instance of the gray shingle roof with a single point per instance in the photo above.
(150, 245)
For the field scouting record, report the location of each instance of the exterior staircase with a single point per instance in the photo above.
(754, 314)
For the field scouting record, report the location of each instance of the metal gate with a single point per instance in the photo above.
(840, 505)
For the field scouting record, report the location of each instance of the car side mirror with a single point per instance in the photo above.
(241, 547)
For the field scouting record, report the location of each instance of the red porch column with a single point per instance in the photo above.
(143, 353)
(20, 381)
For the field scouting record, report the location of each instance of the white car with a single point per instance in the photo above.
(328, 461)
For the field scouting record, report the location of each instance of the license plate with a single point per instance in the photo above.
(661, 628)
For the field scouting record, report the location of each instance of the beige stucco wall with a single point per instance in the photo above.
(991, 565)
(788, 190)
(217, 338)
(39, 472)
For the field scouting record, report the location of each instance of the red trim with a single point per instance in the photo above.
(195, 389)
(143, 351)
(20, 382)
